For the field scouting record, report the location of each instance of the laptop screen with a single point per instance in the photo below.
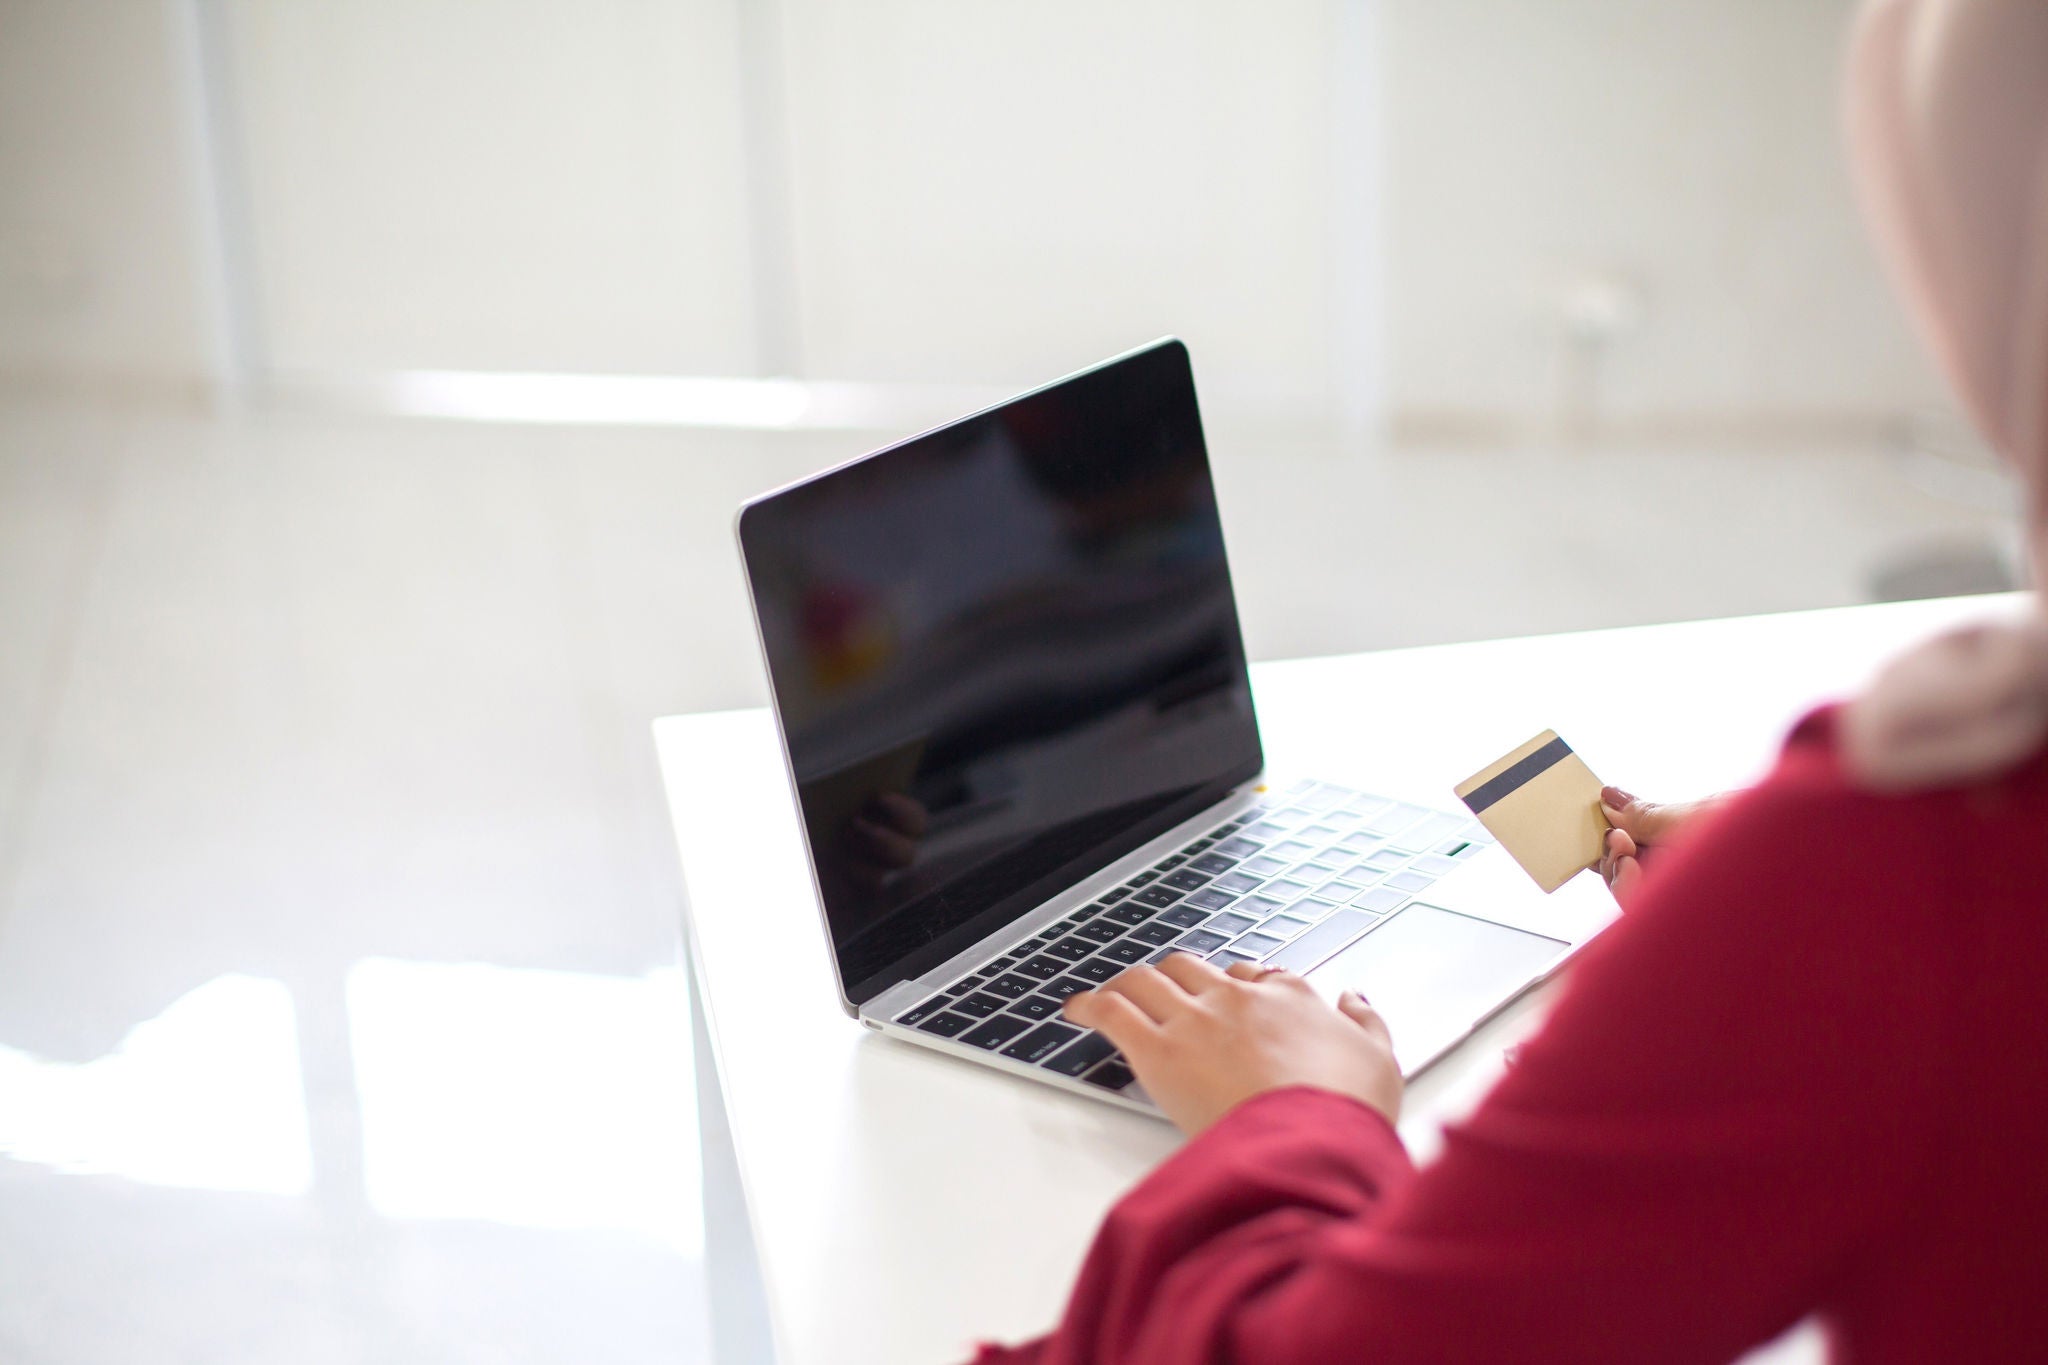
(1004, 654)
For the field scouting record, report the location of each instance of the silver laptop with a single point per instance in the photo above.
(1011, 689)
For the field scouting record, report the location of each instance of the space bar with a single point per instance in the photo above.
(1323, 942)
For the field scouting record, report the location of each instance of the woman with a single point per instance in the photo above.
(1807, 1074)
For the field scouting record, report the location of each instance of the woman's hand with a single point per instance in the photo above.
(1639, 826)
(1203, 1041)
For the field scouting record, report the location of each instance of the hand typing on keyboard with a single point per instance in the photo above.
(1202, 1041)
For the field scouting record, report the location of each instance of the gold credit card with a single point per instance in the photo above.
(1543, 803)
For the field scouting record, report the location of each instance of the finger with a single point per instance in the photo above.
(1190, 973)
(1627, 880)
(902, 812)
(1251, 971)
(1160, 998)
(1358, 1010)
(1115, 1018)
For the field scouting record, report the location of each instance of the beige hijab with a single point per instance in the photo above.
(1948, 113)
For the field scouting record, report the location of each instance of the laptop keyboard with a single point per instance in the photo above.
(1240, 893)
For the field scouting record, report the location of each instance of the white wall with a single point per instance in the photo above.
(1691, 150)
(96, 241)
(996, 192)
(501, 185)
(982, 192)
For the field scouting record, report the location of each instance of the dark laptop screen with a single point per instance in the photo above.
(1004, 654)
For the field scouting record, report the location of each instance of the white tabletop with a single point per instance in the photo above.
(903, 1203)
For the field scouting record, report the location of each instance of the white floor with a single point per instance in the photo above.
(324, 707)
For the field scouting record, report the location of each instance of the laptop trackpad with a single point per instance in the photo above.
(1432, 974)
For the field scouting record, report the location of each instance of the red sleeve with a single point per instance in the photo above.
(1736, 1093)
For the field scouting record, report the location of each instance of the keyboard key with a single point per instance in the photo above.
(993, 1033)
(1129, 914)
(1199, 846)
(1283, 926)
(1339, 890)
(1162, 955)
(1238, 848)
(1065, 926)
(1097, 970)
(1035, 1007)
(1041, 967)
(1086, 913)
(1395, 819)
(1362, 842)
(1262, 866)
(1286, 891)
(1065, 986)
(924, 1011)
(1237, 883)
(980, 1005)
(1079, 1056)
(1258, 945)
(1042, 1042)
(1024, 949)
(1227, 827)
(1409, 881)
(1201, 942)
(1142, 879)
(1457, 848)
(1319, 834)
(1336, 855)
(1110, 1076)
(1434, 866)
(1379, 900)
(1232, 923)
(1260, 905)
(1116, 893)
(1186, 879)
(1072, 949)
(1264, 830)
(1169, 864)
(1215, 864)
(1313, 873)
(1155, 932)
(1211, 899)
(1125, 951)
(1186, 916)
(946, 1025)
(1223, 958)
(1010, 986)
(1292, 851)
(1162, 895)
(968, 983)
(1102, 931)
(1437, 827)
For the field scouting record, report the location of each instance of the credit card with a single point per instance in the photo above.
(1543, 803)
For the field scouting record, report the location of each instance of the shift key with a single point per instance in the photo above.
(1042, 1042)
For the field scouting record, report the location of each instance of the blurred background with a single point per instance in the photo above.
(377, 384)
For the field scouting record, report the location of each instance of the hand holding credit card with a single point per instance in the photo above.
(1543, 803)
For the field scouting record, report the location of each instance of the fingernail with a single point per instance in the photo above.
(1613, 813)
(1616, 797)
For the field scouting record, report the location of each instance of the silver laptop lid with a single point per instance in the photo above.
(1002, 655)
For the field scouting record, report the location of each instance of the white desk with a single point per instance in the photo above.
(904, 1204)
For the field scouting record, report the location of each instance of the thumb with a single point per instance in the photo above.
(1646, 822)
(1354, 1007)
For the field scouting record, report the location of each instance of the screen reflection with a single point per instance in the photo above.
(1004, 653)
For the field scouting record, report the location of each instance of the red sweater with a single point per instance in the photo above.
(1808, 1073)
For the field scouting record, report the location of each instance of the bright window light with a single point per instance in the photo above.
(207, 1095)
(536, 1098)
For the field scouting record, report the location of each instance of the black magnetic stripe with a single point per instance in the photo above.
(1545, 758)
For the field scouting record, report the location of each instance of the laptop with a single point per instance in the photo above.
(1012, 694)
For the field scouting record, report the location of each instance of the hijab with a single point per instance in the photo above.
(1948, 122)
